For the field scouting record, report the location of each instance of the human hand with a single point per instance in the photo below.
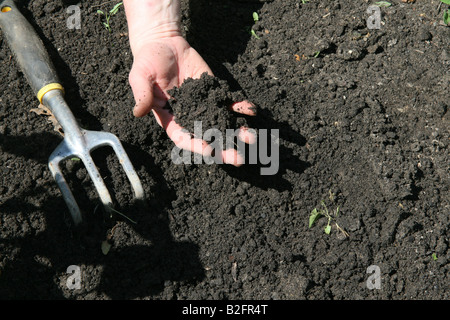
(163, 59)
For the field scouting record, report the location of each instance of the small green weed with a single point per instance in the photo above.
(253, 33)
(383, 4)
(255, 19)
(446, 17)
(109, 14)
(324, 212)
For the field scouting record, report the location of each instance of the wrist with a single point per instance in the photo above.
(150, 20)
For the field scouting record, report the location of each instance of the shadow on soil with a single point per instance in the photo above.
(206, 25)
(152, 265)
(144, 269)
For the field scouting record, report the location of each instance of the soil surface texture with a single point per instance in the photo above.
(206, 100)
(363, 132)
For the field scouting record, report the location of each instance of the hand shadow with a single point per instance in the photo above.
(277, 158)
(220, 33)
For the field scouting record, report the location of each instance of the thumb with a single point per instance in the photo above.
(142, 87)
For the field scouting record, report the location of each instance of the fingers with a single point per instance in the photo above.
(180, 136)
(232, 156)
(244, 107)
(247, 135)
(184, 140)
(142, 87)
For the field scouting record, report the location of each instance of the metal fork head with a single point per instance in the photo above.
(81, 147)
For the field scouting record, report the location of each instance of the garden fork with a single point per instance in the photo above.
(41, 75)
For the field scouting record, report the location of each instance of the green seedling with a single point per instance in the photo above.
(434, 256)
(383, 4)
(253, 33)
(324, 212)
(109, 14)
(317, 213)
(255, 16)
(446, 17)
(255, 19)
(106, 246)
(305, 1)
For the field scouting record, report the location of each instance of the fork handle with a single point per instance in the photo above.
(28, 50)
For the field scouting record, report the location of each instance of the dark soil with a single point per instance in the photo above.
(208, 100)
(363, 121)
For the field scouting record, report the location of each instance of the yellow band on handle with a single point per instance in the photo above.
(47, 88)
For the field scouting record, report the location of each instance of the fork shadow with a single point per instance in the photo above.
(163, 261)
(135, 270)
(128, 272)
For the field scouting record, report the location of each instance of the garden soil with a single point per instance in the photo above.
(362, 119)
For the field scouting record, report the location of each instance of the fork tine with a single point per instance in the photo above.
(92, 140)
(96, 178)
(96, 139)
(59, 154)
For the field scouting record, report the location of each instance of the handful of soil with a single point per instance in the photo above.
(207, 100)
